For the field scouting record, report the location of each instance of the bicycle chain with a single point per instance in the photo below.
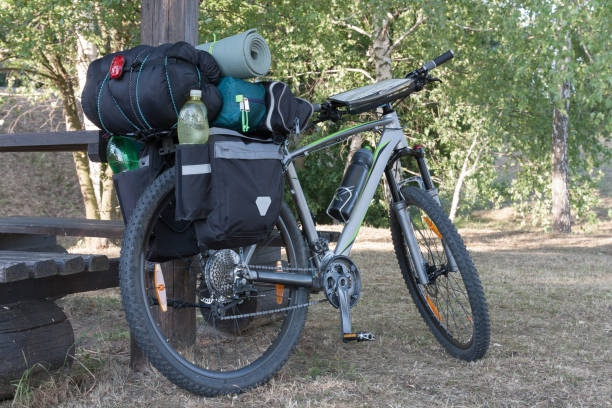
(282, 309)
(267, 312)
(208, 301)
(311, 271)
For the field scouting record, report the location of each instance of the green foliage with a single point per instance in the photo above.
(490, 121)
(499, 91)
(535, 46)
(39, 38)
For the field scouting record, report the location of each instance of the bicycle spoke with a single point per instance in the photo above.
(453, 310)
(445, 295)
(453, 292)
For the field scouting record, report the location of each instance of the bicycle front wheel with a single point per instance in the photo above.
(240, 339)
(452, 304)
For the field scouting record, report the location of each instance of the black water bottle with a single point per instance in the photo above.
(344, 199)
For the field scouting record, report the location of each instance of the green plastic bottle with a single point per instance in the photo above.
(193, 120)
(122, 153)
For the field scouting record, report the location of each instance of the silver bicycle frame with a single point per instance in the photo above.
(392, 139)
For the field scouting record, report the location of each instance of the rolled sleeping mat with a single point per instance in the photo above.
(244, 55)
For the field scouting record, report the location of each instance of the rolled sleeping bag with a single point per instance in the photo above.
(244, 55)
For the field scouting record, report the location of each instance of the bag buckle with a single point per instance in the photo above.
(244, 111)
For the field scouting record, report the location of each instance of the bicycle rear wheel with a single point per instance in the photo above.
(453, 304)
(236, 344)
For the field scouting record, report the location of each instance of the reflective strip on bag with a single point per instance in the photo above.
(191, 169)
(252, 151)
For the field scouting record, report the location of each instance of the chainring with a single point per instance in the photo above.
(341, 270)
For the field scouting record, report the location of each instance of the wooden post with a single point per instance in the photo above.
(178, 324)
(163, 21)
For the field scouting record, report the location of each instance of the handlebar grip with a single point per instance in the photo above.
(316, 107)
(444, 58)
(428, 66)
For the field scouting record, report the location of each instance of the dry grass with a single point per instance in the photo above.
(550, 300)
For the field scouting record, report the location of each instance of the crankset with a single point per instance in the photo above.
(342, 285)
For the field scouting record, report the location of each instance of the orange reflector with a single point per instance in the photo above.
(280, 289)
(431, 226)
(433, 307)
(160, 288)
(350, 335)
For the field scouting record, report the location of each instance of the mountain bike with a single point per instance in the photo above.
(250, 303)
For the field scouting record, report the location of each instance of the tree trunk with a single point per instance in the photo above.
(465, 172)
(561, 215)
(356, 142)
(169, 21)
(381, 49)
(107, 207)
(86, 53)
(560, 182)
(81, 162)
(100, 173)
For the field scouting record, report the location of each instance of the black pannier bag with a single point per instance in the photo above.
(145, 87)
(240, 191)
(192, 185)
(171, 238)
(285, 113)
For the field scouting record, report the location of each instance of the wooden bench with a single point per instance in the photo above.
(28, 273)
(34, 270)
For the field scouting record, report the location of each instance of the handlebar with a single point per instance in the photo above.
(428, 66)
(420, 77)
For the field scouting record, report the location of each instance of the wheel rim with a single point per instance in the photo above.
(445, 298)
(223, 348)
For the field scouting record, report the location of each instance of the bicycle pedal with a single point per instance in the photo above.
(359, 336)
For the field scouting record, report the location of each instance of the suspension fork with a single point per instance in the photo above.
(400, 207)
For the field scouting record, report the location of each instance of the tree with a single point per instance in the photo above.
(555, 52)
(325, 48)
(487, 130)
(44, 42)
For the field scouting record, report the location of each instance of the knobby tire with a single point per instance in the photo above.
(460, 322)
